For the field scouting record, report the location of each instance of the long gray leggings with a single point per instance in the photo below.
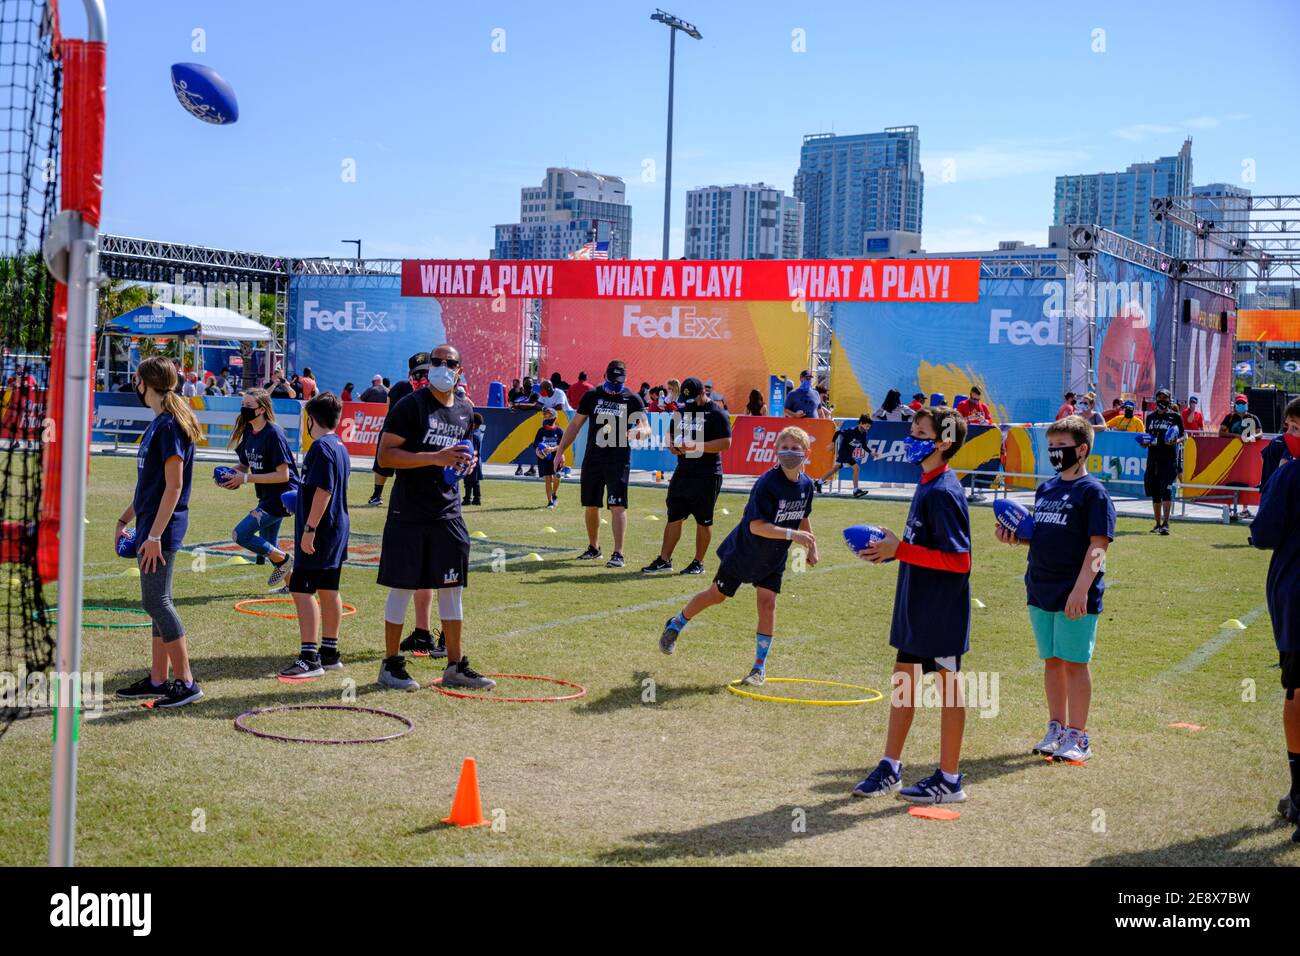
(156, 599)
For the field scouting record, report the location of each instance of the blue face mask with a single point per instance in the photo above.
(442, 379)
(1240, 407)
(613, 387)
(917, 450)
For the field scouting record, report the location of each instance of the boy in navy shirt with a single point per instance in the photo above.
(1164, 462)
(1074, 524)
(1275, 529)
(545, 442)
(320, 542)
(931, 624)
(851, 452)
(754, 553)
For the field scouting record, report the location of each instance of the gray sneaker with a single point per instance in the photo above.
(755, 678)
(668, 639)
(280, 572)
(1051, 741)
(393, 675)
(460, 674)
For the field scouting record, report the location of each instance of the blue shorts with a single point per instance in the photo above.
(1058, 636)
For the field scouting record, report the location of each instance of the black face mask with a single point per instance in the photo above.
(247, 415)
(140, 393)
(1062, 459)
(1128, 413)
(1162, 404)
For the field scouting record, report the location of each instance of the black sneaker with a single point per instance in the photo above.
(615, 560)
(519, 470)
(591, 554)
(304, 668)
(330, 659)
(392, 674)
(143, 689)
(476, 501)
(531, 472)
(439, 649)
(178, 695)
(817, 487)
(977, 497)
(695, 567)
(1164, 529)
(419, 644)
(657, 565)
(460, 674)
(1156, 529)
(261, 559)
(859, 492)
(375, 502)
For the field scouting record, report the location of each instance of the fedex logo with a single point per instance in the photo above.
(680, 323)
(1021, 332)
(353, 317)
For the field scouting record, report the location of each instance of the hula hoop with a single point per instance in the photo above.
(436, 684)
(54, 612)
(876, 695)
(348, 609)
(240, 725)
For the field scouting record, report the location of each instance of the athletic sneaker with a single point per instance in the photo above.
(591, 554)
(519, 470)
(695, 567)
(420, 644)
(615, 560)
(531, 472)
(460, 674)
(330, 659)
(143, 689)
(755, 678)
(859, 492)
(657, 565)
(1051, 741)
(668, 639)
(881, 782)
(1074, 748)
(555, 502)
(283, 590)
(934, 789)
(178, 695)
(304, 669)
(817, 487)
(1164, 529)
(977, 497)
(551, 504)
(1156, 529)
(392, 673)
(280, 572)
(375, 502)
(1289, 808)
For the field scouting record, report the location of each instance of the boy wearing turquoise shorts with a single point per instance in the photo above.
(1074, 524)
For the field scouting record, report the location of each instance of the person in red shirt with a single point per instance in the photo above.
(580, 388)
(973, 409)
(917, 402)
(1116, 408)
(1067, 407)
(1193, 420)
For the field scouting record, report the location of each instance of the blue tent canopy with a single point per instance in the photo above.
(174, 319)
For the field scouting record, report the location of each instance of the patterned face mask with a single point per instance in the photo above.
(790, 458)
(917, 450)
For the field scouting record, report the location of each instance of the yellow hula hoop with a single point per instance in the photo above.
(876, 695)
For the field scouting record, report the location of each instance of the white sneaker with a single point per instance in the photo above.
(1074, 748)
(1051, 742)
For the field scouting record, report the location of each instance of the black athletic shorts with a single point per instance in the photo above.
(929, 665)
(432, 555)
(693, 496)
(608, 480)
(545, 467)
(1159, 479)
(381, 471)
(311, 580)
(729, 581)
(1290, 661)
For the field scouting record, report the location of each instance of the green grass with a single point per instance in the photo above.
(696, 775)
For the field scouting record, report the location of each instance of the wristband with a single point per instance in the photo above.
(248, 476)
(152, 538)
(309, 529)
(789, 534)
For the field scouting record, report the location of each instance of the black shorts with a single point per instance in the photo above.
(729, 581)
(845, 459)
(929, 665)
(546, 467)
(604, 480)
(417, 556)
(1290, 662)
(311, 580)
(1159, 479)
(381, 471)
(693, 496)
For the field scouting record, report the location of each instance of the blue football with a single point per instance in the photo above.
(126, 544)
(859, 536)
(453, 475)
(223, 473)
(289, 500)
(204, 94)
(1015, 517)
(1171, 434)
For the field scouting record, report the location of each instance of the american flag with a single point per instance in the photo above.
(591, 250)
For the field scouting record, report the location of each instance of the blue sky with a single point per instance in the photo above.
(443, 131)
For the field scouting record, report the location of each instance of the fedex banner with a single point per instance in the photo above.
(750, 280)
(350, 328)
(736, 345)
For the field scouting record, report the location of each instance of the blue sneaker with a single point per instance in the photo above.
(880, 782)
(934, 789)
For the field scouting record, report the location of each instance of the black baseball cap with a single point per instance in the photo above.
(419, 360)
(692, 388)
(616, 371)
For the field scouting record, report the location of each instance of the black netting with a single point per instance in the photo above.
(29, 165)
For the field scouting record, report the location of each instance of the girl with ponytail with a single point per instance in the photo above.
(164, 467)
(265, 461)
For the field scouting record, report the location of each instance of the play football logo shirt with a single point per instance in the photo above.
(425, 424)
(1067, 514)
(610, 417)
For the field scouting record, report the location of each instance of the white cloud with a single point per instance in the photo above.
(1136, 132)
(998, 161)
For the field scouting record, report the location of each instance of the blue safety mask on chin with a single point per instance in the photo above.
(917, 450)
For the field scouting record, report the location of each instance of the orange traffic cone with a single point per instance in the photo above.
(467, 806)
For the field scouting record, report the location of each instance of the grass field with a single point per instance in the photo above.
(659, 764)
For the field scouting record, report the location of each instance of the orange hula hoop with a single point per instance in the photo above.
(348, 609)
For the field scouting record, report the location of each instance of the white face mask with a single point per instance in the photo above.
(442, 379)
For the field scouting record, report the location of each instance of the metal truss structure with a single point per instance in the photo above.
(1241, 239)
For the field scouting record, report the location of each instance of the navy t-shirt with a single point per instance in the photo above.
(932, 607)
(1067, 514)
(1157, 423)
(1277, 526)
(420, 495)
(325, 466)
(263, 452)
(700, 425)
(163, 439)
(850, 440)
(774, 498)
(550, 437)
(803, 400)
(611, 417)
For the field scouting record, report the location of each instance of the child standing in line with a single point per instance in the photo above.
(474, 480)
(545, 442)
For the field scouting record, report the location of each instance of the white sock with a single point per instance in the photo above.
(894, 765)
(950, 777)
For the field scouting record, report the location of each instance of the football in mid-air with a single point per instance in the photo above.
(1015, 517)
(204, 94)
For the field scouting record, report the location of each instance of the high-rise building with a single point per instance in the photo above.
(791, 228)
(1225, 211)
(739, 222)
(571, 208)
(851, 185)
(1121, 202)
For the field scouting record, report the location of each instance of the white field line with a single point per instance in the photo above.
(1211, 647)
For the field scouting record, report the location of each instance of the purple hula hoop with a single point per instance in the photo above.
(240, 725)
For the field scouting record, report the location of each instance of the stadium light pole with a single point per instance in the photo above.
(673, 24)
